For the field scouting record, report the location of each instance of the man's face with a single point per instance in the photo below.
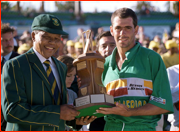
(124, 32)
(106, 45)
(7, 43)
(79, 51)
(71, 49)
(46, 43)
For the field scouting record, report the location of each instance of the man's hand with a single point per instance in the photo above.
(68, 112)
(85, 121)
(119, 109)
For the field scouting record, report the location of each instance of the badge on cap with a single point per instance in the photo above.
(55, 22)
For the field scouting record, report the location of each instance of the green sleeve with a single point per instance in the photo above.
(161, 95)
(15, 101)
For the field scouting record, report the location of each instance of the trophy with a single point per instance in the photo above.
(91, 94)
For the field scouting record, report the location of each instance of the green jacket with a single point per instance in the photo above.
(26, 97)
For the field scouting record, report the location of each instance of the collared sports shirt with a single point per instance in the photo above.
(141, 80)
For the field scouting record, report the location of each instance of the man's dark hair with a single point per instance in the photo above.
(103, 34)
(124, 13)
(5, 28)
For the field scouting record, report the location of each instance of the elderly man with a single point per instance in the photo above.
(34, 95)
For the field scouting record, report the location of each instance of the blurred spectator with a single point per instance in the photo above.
(173, 75)
(154, 46)
(157, 39)
(16, 39)
(7, 53)
(141, 34)
(171, 57)
(29, 41)
(26, 34)
(162, 49)
(23, 48)
(99, 31)
(92, 34)
(94, 45)
(105, 44)
(78, 48)
(70, 48)
(21, 42)
(64, 41)
(79, 33)
(145, 43)
(175, 33)
(165, 37)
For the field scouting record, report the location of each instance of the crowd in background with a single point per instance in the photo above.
(167, 46)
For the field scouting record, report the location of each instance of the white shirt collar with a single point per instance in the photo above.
(41, 58)
(7, 57)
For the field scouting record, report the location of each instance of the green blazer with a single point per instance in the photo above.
(26, 97)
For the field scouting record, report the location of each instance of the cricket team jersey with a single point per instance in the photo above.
(141, 80)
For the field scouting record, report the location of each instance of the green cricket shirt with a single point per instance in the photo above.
(142, 79)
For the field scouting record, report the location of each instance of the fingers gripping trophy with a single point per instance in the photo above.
(92, 94)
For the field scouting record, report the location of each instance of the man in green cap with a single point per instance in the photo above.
(33, 84)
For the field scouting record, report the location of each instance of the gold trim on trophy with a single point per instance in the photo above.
(84, 91)
(100, 64)
(81, 65)
(103, 90)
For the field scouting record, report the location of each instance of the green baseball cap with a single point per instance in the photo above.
(48, 23)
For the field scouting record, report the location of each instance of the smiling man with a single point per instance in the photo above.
(33, 89)
(136, 77)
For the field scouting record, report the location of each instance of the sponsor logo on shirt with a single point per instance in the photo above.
(130, 87)
(158, 99)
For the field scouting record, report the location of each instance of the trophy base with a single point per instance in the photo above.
(87, 105)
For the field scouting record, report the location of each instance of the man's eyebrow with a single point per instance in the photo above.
(104, 44)
(123, 27)
(112, 42)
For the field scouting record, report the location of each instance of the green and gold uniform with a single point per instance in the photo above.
(141, 80)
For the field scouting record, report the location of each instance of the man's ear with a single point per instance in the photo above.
(111, 30)
(136, 29)
(33, 36)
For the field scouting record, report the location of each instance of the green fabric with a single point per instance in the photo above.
(48, 23)
(142, 65)
(91, 111)
(26, 97)
(112, 126)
